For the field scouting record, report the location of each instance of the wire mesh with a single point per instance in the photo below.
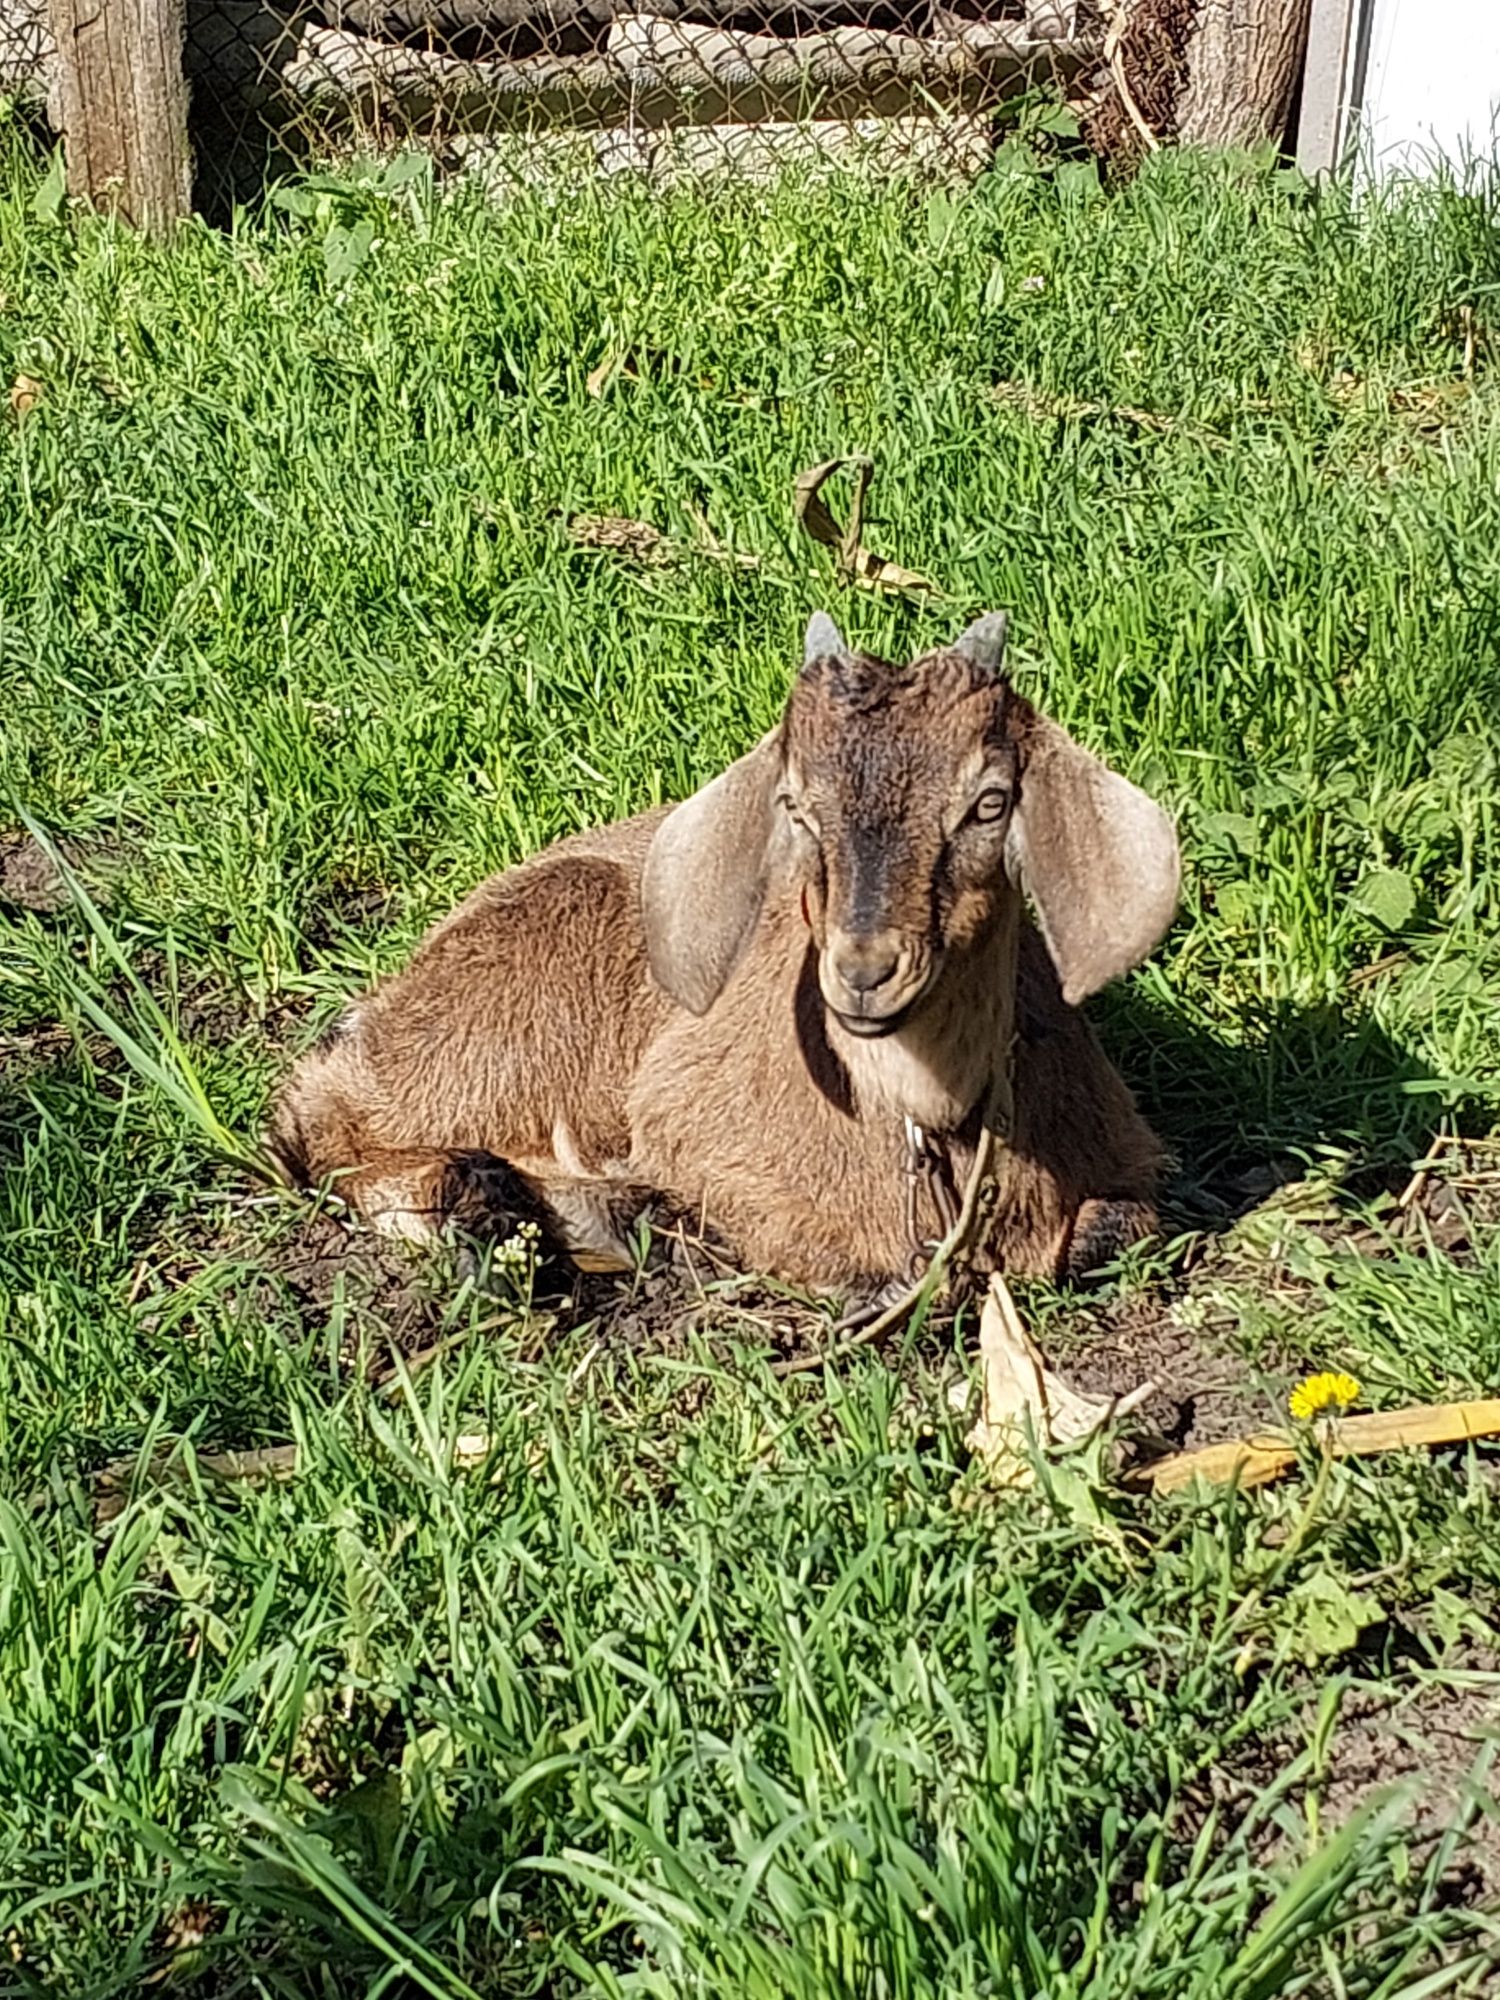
(508, 89)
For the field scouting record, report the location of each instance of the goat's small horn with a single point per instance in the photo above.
(824, 640)
(983, 645)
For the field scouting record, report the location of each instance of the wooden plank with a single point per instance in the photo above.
(953, 146)
(122, 103)
(435, 24)
(1254, 1461)
(651, 69)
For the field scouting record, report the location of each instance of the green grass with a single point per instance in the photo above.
(703, 1682)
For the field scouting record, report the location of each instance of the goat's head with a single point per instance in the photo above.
(909, 806)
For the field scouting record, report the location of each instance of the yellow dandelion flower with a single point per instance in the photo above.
(1320, 1393)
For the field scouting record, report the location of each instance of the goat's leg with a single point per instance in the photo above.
(420, 1195)
(1104, 1230)
(417, 1193)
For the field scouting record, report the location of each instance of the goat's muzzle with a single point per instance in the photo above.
(873, 982)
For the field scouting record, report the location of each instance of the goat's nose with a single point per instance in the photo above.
(863, 964)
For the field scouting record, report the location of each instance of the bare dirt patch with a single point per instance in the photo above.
(1427, 1731)
(31, 880)
(1205, 1391)
(1433, 1732)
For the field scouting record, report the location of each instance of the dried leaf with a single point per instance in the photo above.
(642, 543)
(183, 1934)
(599, 1262)
(25, 394)
(112, 1482)
(631, 364)
(1020, 1394)
(859, 564)
(622, 536)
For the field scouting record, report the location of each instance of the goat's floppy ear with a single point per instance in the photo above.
(1097, 858)
(705, 874)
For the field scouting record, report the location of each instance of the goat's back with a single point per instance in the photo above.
(515, 1029)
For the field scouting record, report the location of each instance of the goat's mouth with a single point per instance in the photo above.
(870, 1027)
(880, 1010)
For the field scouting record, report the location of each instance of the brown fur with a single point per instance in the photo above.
(681, 1006)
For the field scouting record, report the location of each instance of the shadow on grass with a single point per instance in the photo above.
(1240, 1117)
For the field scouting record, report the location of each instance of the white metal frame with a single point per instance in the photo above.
(1330, 82)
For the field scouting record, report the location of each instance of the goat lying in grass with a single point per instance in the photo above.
(768, 1006)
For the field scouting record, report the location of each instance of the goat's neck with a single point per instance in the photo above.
(935, 1068)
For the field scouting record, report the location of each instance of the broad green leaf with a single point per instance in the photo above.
(47, 203)
(1079, 178)
(1328, 1617)
(344, 250)
(1233, 830)
(1058, 120)
(1387, 895)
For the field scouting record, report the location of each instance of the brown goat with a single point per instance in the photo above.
(755, 1005)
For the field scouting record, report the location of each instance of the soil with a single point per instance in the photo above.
(1459, 1192)
(1430, 1729)
(1204, 1392)
(1434, 1732)
(31, 880)
(23, 1051)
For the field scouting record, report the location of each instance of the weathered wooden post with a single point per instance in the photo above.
(122, 102)
(1243, 65)
(1198, 72)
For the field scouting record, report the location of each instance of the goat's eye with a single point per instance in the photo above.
(991, 806)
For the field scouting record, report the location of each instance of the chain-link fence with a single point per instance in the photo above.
(507, 89)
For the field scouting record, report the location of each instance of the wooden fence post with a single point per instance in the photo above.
(123, 103)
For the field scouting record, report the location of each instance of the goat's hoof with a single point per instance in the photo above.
(1103, 1231)
(872, 1304)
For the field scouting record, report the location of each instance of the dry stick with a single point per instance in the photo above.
(111, 1483)
(1440, 1144)
(1114, 56)
(999, 1106)
(387, 1380)
(657, 66)
(1123, 1406)
(1254, 1461)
